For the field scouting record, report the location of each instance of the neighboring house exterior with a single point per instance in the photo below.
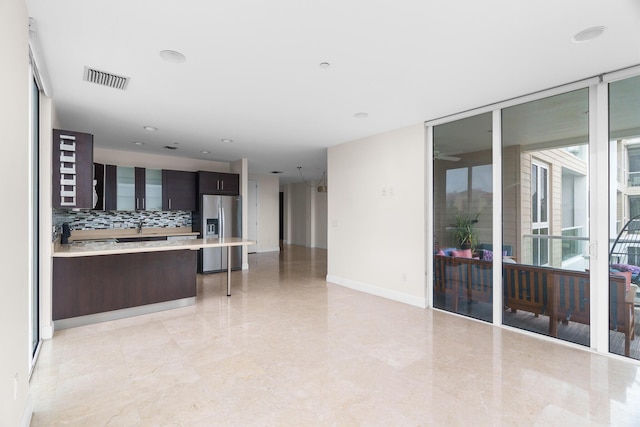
(627, 179)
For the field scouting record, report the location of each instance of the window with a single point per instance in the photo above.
(634, 165)
(574, 221)
(458, 182)
(634, 206)
(457, 187)
(540, 213)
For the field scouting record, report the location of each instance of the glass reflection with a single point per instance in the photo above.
(463, 211)
(624, 219)
(545, 216)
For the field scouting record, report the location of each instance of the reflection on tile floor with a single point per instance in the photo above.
(287, 348)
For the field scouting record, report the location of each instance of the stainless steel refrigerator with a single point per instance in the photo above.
(221, 216)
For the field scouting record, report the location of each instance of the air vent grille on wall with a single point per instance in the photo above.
(105, 79)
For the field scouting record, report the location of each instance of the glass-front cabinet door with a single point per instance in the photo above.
(125, 189)
(153, 190)
(138, 189)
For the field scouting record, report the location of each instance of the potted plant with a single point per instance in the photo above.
(464, 231)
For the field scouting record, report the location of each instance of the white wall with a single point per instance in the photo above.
(296, 208)
(48, 121)
(268, 213)
(241, 167)
(14, 175)
(376, 212)
(305, 219)
(320, 219)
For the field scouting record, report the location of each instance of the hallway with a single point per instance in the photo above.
(288, 348)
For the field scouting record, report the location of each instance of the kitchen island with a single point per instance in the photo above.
(98, 281)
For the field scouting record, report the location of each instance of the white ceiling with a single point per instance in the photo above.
(252, 71)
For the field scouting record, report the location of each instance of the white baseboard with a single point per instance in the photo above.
(375, 290)
(46, 332)
(123, 313)
(276, 249)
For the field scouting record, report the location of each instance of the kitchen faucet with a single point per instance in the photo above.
(140, 226)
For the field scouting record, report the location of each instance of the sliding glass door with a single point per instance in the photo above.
(463, 215)
(545, 269)
(546, 217)
(624, 216)
(35, 219)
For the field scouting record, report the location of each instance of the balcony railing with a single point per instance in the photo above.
(574, 248)
(634, 179)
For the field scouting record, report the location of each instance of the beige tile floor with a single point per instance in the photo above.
(289, 349)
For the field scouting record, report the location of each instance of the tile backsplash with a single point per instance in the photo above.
(101, 220)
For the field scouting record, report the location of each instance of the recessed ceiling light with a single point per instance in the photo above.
(361, 115)
(172, 56)
(588, 34)
(138, 143)
(150, 128)
(325, 65)
(205, 152)
(226, 140)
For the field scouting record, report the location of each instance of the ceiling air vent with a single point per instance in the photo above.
(105, 79)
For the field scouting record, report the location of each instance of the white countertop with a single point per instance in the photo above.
(80, 249)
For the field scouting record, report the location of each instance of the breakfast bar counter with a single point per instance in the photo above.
(94, 248)
(94, 281)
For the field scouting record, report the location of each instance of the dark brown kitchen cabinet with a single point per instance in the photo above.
(129, 188)
(110, 184)
(72, 186)
(96, 284)
(178, 190)
(98, 177)
(218, 183)
(132, 188)
(139, 189)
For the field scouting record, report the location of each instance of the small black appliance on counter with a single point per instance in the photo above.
(66, 233)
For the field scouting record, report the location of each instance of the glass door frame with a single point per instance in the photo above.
(597, 247)
(35, 277)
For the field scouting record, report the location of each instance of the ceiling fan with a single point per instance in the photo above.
(437, 155)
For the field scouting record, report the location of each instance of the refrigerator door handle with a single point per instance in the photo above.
(223, 222)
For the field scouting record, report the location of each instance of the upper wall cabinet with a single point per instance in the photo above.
(72, 186)
(152, 190)
(98, 176)
(127, 198)
(110, 185)
(128, 188)
(132, 189)
(178, 190)
(218, 183)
